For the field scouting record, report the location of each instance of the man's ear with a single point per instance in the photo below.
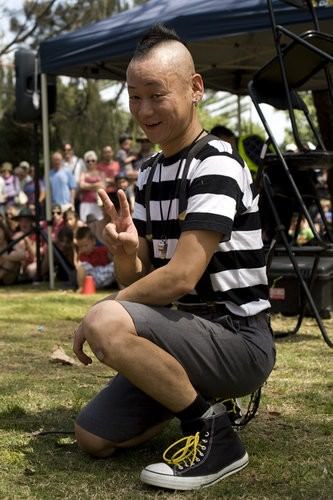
(198, 88)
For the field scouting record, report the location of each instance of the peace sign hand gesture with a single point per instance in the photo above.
(117, 229)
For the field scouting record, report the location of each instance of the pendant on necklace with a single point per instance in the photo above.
(162, 247)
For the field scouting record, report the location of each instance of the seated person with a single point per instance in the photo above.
(64, 251)
(57, 220)
(25, 219)
(10, 258)
(93, 260)
(10, 219)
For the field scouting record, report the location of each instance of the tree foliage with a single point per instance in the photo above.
(304, 130)
(82, 117)
(84, 120)
(42, 19)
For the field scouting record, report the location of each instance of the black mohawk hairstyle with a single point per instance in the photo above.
(157, 34)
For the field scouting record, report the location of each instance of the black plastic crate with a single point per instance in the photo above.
(285, 289)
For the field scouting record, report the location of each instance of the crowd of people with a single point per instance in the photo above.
(74, 182)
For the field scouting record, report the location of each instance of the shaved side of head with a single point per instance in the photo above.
(171, 55)
(167, 47)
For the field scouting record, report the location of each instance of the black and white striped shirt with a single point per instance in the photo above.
(221, 197)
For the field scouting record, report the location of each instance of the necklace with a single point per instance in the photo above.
(162, 245)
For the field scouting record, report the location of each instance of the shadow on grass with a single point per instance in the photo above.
(296, 338)
(55, 462)
(48, 444)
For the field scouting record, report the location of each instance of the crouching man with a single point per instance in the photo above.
(207, 259)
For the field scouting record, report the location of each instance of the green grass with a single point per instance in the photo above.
(289, 442)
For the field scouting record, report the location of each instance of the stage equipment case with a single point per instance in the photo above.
(285, 289)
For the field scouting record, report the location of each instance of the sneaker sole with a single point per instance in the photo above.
(192, 483)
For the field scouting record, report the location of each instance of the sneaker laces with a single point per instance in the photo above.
(232, 406)
(191, 452)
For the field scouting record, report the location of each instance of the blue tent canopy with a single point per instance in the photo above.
(229, 39)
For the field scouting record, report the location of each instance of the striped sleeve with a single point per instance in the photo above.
(219, 189)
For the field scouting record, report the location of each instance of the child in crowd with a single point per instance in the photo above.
(305, 234)
(92, 260)
(72, 220)
(63, 256)
(123, 182)
(327, 211)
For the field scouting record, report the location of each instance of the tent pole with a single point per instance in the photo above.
(239, 116)
(46, 153)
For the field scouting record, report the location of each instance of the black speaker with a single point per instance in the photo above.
(27, 88)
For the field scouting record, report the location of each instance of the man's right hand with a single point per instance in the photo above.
(116, 229)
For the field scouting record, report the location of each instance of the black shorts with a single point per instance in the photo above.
(224, 356)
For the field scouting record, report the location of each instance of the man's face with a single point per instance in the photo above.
(85, 245)
(107, 153)
(56, 214)
(126, 144)
(25, 224)
(160, 100)
(6, 173)
(56, 160)
(68, 151)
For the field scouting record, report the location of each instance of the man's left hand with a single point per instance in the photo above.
(79, 340)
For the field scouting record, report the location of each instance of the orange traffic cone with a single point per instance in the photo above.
(89, 285)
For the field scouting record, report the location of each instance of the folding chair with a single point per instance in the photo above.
(287, 178)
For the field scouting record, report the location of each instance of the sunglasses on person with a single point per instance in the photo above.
(90, 161)
(56, 212)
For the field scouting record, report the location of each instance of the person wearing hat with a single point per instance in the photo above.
(145, 150)
(12, 183)
(24, 213)
(124, 155)
(23, 173)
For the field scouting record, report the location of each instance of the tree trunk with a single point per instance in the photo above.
(324, 108)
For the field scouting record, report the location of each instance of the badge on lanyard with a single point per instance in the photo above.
(162, 247)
